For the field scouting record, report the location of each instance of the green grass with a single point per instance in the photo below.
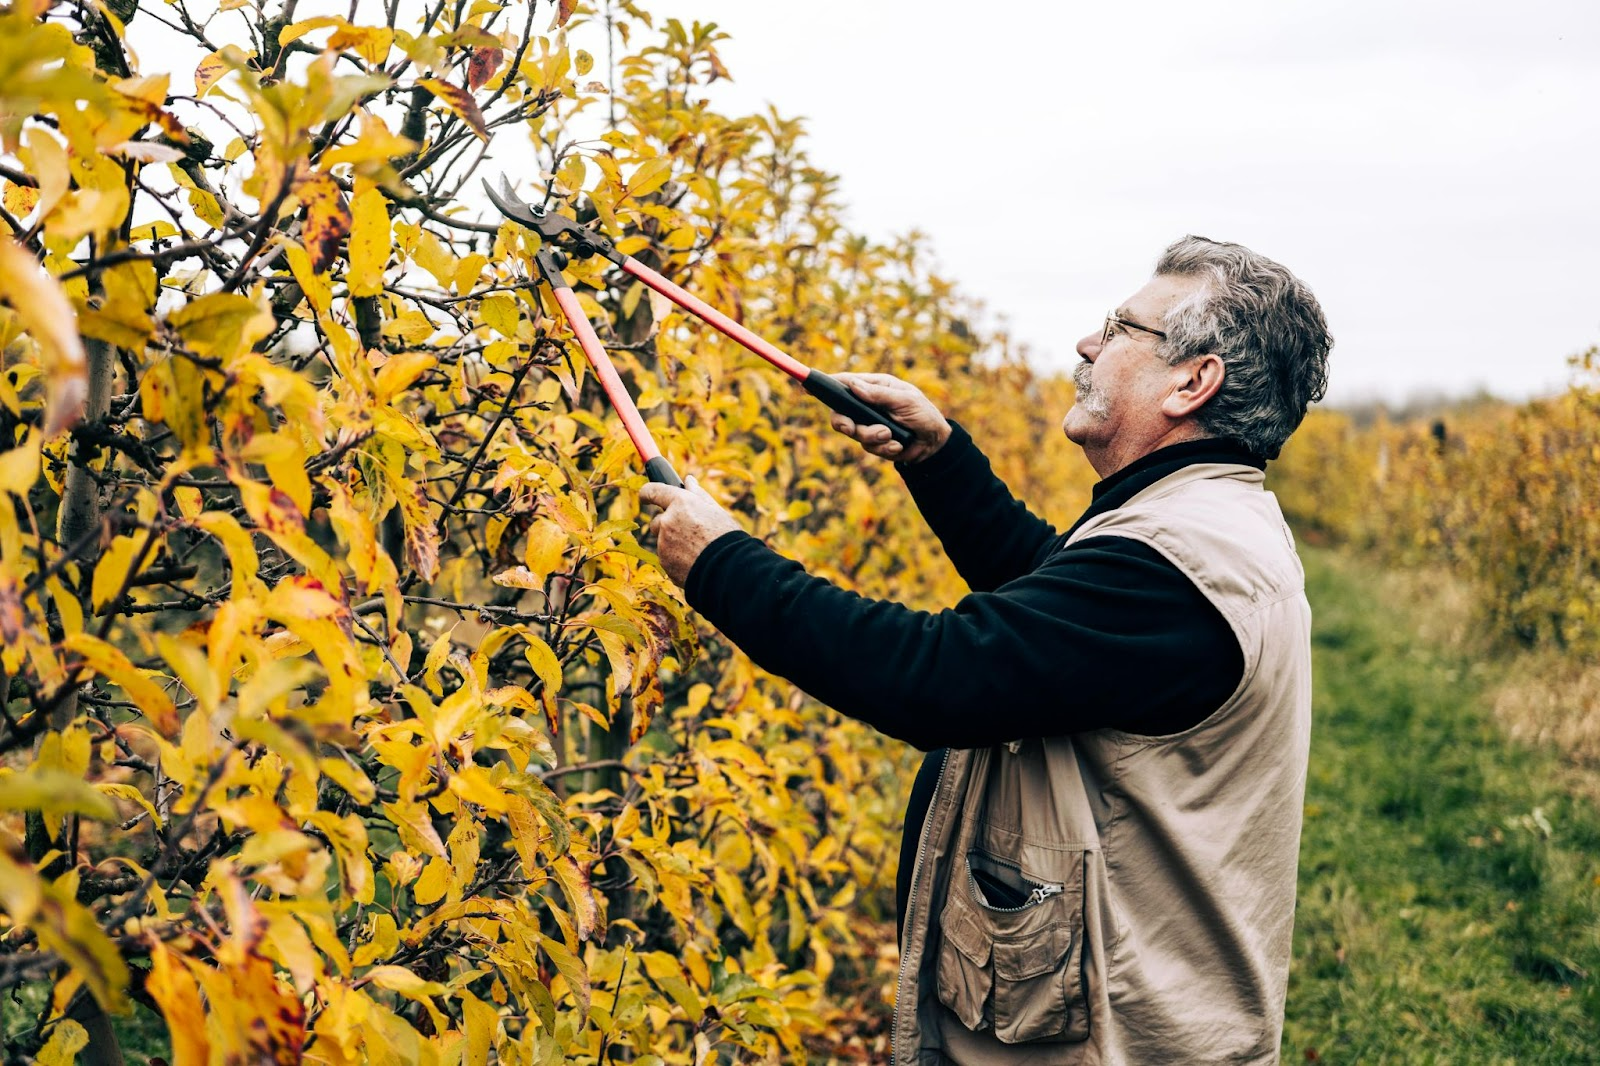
(1449, 905)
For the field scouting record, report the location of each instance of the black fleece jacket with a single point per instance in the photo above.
(1051, 640)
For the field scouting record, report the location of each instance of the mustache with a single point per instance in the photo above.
(1081, 379)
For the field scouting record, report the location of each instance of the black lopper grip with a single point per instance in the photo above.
(832, 392)
(659, 470)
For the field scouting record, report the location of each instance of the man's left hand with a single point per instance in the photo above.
(690, 519)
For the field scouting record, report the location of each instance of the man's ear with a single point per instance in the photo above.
(1198, 380)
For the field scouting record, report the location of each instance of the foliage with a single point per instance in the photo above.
(345, 715)
(1502, 495)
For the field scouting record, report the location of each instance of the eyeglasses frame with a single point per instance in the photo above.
(1111, 318)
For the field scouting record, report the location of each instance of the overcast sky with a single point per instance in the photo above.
(1429, 168)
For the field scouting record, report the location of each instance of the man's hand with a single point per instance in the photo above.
(690, 519)
(903, 402)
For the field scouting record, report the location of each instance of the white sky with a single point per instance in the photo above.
(1429, 168)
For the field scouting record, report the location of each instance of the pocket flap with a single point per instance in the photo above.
(960, 927)
(1038, 953)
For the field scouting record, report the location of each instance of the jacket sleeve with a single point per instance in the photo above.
(988, 533)
(1105, 634)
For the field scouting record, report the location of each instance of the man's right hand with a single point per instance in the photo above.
(903, 402)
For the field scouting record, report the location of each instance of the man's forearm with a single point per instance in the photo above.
(1062, 650)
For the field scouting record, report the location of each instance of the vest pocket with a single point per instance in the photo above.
(1016, 968)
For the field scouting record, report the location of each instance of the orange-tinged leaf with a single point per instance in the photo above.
(327, 221)
(372, 43)
(460, 102)
(173, 988)
(564, 10)
(20, 200)
(482, 65)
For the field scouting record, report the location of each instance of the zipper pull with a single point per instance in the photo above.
(1042, 893)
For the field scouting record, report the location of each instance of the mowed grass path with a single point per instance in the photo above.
(1449, 884)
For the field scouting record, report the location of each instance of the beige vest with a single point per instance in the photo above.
(1108, 898)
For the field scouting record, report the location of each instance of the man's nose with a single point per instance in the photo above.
(1089, 347)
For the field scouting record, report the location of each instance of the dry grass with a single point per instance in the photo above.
(1555, 703)
(1541, 698)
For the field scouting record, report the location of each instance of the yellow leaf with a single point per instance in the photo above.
(19, 467)
(480, 1022)
(241, 550)
(222, 324)
(582, 62)
(438, 654)
(473, 785)
(430, 255)
(296, 30)
(570, 967)
(574, 881)
(173, 391)
(400, 372)
(318, 290)
(132, 794)
(500, 311)
(114, 666)
(66, 1040)
(433, 884)
(55, 792)
(383, 940)
(546, 545)
(123, 317)
(518, 577)
(376, 144)
(650, 176)
(47, 317)
(370, 242)
(422, 535)
(208, 73)
(547, 668)
(111, 572)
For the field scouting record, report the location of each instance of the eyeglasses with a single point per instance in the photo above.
(1113, 320)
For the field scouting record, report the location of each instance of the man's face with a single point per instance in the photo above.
(1123, 382)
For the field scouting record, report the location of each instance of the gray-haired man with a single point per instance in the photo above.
(1100, 853)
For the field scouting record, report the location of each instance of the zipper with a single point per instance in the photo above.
(1040, 893)
(911, 899)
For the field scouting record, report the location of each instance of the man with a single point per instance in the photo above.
(1100, 853)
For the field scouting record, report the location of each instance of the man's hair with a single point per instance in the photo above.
(1268, 330)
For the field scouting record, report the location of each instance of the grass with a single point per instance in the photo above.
(1449, 879)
